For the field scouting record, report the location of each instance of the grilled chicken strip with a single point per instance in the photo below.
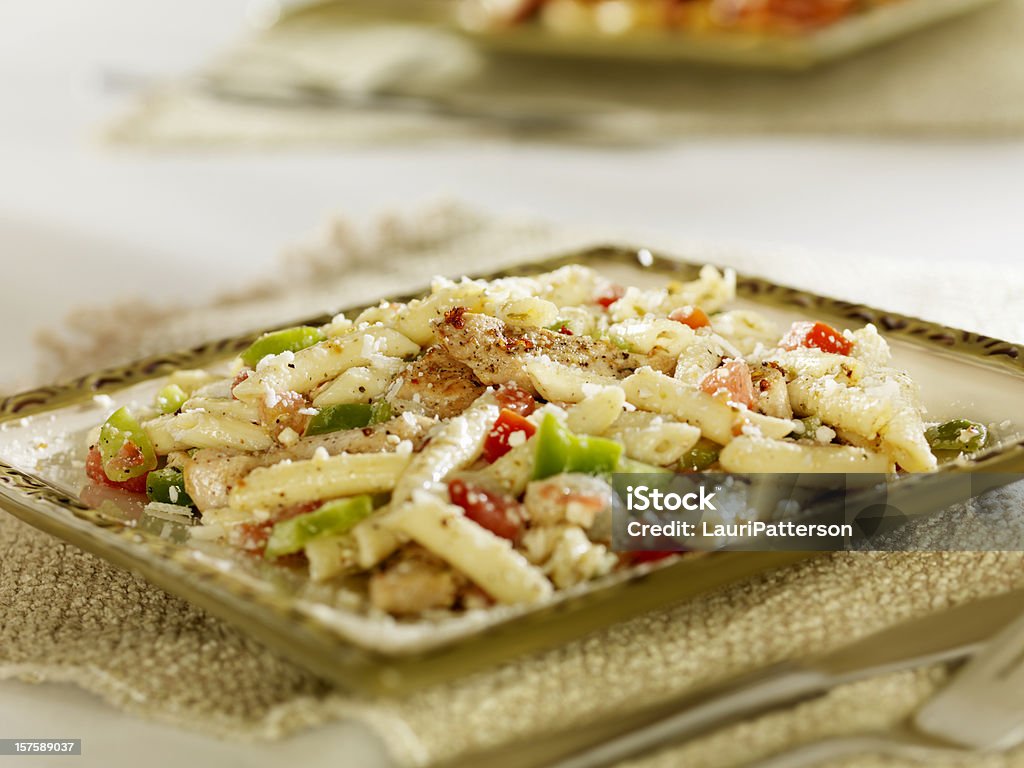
(437, 385)
(496, 351)
(210, 474)
(414, 581)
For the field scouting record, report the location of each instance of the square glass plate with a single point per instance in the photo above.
(43, 444)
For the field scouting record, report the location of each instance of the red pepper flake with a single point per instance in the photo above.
(454, 317)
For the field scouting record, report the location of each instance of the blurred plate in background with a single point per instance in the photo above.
(723, 46)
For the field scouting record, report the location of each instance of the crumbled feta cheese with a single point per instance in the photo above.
(309, 411)
(103, 401)
(270, 397)
(288, 436)
(321, 454)
(824, 434)
(404, 448)
(517, 438)
(644, 257)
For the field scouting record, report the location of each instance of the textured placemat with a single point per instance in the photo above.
(962, 77)
(64, 615)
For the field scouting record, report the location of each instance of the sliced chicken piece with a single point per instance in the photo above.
(413, 581)
(772, 394)
(437, 385)
(211, 474)
(496, 351)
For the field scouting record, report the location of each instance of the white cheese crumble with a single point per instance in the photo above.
(321, 454)
(824, 434)
(288, 437)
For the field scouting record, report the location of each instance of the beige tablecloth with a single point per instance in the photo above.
(64, 615)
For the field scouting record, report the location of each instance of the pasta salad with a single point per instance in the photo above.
(455, 451)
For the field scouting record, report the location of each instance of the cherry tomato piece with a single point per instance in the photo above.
(95, 472)
(499, 514)
(695, 317)
(732, 376)
(501, 438)
(513, 398)
(817, 335)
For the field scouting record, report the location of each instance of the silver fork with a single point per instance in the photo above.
(980, 710)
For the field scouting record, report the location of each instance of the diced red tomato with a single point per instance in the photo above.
(499, 440)
(695, 317)
(516, 399)
(252, 537)
(565, 331)
(732, 376)
(610, 296)
(499, 514)
(818, 335)
(95, 472)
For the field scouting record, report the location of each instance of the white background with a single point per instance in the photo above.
(80, 224)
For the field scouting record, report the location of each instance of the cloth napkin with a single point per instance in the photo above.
(68, 616)
(960, 77)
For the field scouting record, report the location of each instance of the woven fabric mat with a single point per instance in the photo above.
(67, 616)
(961, 77)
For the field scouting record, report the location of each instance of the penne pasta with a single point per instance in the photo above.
(306, 369)
(758, 454)
(491, 562)
(299, 482)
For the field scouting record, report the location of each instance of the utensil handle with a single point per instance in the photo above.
(617, 737)
(748, 697)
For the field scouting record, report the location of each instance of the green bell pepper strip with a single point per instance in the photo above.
(334, 418)
(700, 457)
(125, 449)
(332, 518)
(288, 340)
(380, 412)
(593, 455)
(957, 435)
(170, 399)
(168, 487)
(559, 450)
